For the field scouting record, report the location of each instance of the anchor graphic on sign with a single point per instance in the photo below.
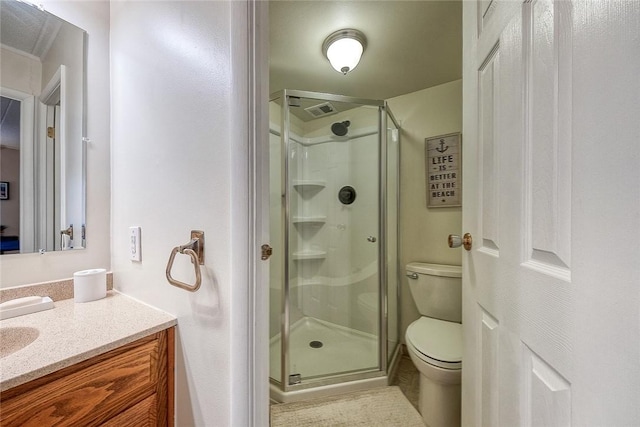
(442, 148)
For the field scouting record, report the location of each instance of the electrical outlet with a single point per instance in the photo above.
(135, 244)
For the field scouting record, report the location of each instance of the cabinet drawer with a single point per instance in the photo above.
(91, 392)
(141, 415)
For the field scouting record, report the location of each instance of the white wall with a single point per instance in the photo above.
(179, 162)
(93, 16)
(423, 232)
(20, 71)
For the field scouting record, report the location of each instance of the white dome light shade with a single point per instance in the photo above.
(344, 54)
(344, 49)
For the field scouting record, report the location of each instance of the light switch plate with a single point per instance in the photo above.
(135, 244)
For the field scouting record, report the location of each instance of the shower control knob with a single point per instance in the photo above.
(456, 241)
(371, 239)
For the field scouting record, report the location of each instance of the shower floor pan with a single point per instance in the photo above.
(342, 350)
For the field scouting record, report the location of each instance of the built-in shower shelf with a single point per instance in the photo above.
(308, 255)
(312, 282)
(308, 185)
(315, 281)
(310, 220)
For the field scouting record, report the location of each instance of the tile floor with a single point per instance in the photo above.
(407, 378)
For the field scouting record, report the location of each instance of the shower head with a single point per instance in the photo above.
(340, 128)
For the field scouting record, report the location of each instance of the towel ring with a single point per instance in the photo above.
(195, 249)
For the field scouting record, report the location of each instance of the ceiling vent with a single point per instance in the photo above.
(321, 110)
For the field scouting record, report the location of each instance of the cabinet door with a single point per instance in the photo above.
(96, 390)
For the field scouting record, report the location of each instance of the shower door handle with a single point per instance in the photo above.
(371, 239)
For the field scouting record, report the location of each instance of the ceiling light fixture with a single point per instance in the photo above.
(344, 48)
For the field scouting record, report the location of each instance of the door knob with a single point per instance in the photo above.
(371, 239)
(456, 241)
(265, 252)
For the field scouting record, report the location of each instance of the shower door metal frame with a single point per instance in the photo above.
(384, 143)
(382, 224)
(330, 379)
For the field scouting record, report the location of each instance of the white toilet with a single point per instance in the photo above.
(434, 341)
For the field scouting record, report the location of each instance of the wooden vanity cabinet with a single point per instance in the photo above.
(129, 386)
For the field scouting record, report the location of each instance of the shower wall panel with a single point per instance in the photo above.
(331, 286)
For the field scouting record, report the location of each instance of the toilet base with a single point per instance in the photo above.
(439, 403)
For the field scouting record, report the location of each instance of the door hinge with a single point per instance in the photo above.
(266, 252)
(51, 132)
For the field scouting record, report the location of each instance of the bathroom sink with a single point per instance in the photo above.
(14, 338)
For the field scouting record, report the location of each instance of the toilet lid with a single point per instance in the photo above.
(438, 340)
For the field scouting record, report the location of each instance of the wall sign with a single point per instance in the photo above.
(443, 167)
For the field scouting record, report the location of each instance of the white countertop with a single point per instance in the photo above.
(71, 333)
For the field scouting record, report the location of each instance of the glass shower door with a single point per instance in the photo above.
(332, 209)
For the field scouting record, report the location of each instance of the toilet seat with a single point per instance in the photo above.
(436, 342)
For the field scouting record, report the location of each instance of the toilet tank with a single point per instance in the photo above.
(436, 289)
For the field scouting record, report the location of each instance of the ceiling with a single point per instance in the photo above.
(411, 45)
(26, 28)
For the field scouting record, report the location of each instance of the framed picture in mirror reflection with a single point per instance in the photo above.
(4, 190)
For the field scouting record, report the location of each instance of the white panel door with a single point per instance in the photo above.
(551, 287)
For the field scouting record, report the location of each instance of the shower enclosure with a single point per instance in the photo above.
(334, 232)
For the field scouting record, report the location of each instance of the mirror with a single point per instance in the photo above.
(42, 132)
